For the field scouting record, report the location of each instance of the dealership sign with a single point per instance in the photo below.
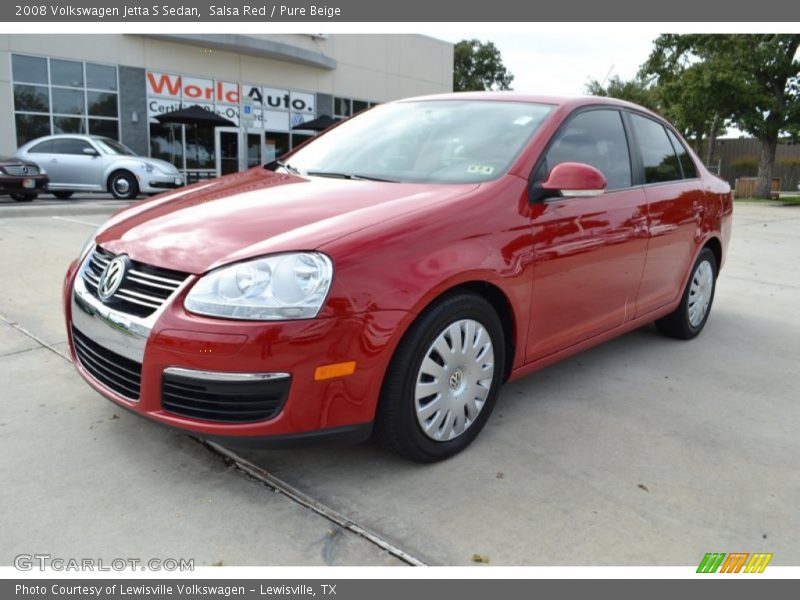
(274, 109)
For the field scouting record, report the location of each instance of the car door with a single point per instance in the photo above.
(71, 167)
(676, 204)
(589, 252)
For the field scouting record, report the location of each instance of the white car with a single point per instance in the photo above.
(92, 163)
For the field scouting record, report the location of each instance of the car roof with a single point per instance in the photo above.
(57, 136)
(568, 102)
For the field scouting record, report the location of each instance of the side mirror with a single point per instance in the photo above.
(91, 152)
(572, 179)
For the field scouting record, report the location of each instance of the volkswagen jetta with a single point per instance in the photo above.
(390, 275)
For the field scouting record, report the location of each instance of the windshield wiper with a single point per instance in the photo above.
(274, 164)
(352, 176)
(288, 167)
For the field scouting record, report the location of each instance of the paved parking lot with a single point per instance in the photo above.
(641, 451)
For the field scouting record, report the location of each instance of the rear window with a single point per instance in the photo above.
(42, 147)
(689, 170)
(659, 158)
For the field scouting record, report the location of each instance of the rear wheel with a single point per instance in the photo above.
(26, 197)
(443, 380)
(123, 186)
(63, 195)
(688, 320)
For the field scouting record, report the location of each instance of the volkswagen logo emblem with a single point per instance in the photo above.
(455, 379)
(112, 277)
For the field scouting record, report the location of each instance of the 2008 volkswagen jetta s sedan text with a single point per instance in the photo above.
(390, 275)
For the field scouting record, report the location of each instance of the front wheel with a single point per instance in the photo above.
(26, 197)
(123, 186)
(688, 320)
(443, 380)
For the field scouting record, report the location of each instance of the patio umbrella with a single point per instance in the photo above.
(321, 123)
(195, 115)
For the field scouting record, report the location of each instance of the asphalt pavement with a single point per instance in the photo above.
(642, 451)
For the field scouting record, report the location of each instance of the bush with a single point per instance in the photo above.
(745, 163)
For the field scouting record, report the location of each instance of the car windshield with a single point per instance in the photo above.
(426, 141)
(110, 146)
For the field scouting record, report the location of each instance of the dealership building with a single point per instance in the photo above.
(264, 86)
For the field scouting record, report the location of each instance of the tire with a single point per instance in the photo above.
(63, 195)
(465, 380)
(25, 197)
(685, 323)
(123, 185)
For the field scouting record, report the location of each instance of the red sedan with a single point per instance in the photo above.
(391, 274)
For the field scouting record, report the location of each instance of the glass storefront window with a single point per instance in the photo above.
(68, 102)
(253, 149)
(31, 98)
(58, 89)
(359, 105)
(106, 127)
(341, 107)
(101, 77)
(66, 72)
(275, 145)
(200, 148)
(299, 138)
(30, 69)
(166, 143)
(68, 125)
(30, 127)
(101, 104)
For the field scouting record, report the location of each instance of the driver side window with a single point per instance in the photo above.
(596, 138)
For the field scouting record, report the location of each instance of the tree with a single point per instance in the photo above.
(750, 80)
(635, 90)
(478, 66)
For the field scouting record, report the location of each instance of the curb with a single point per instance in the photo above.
(60, 211)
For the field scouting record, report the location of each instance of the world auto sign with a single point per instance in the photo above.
(252, 106)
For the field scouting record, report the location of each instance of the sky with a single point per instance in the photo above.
(563, 62)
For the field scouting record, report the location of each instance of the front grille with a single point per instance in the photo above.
(21, 170)
(116, 372)
(143, 290)
(223, 401)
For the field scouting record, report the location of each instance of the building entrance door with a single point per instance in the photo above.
(228, 150)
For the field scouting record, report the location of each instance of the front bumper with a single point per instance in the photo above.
(153, 183)
(23, 185)
(339, 408)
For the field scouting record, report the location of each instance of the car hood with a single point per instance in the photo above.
(258, 212)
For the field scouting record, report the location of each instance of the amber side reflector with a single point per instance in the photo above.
(335, 370)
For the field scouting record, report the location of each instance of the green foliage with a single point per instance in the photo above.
(637, 90)
(479, 66)
(746, 164)
(750, 81)
(790, 162)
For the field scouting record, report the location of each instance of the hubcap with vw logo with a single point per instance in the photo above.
(111, 277)
(454, 380)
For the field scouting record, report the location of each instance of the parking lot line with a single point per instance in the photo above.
(79, 221)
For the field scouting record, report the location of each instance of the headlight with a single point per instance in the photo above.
(88, 245)
(284, 286)
(147, 167)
